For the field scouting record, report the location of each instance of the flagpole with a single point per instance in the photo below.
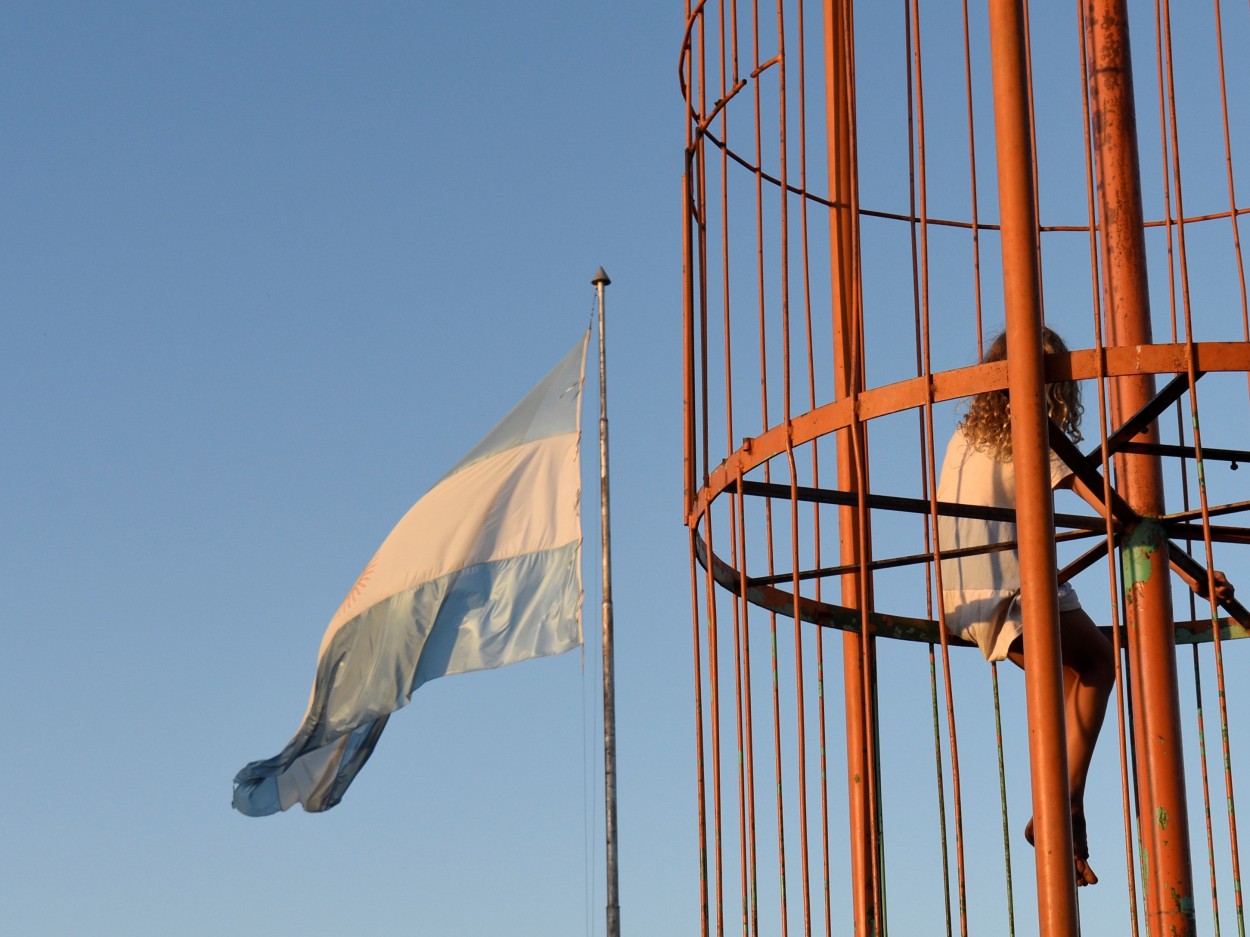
(609, 688)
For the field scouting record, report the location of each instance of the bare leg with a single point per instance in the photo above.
(1088, 679)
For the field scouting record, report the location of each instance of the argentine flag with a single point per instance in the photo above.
(483, 571)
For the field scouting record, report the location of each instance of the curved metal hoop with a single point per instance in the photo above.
(766, 592)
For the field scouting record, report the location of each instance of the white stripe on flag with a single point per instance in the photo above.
(483, 571)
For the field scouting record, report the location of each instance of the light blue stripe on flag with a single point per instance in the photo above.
(483, 571)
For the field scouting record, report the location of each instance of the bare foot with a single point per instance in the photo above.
(1080, 849)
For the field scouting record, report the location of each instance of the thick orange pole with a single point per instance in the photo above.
(858, 661)
(1163, 815)
(1056, 884)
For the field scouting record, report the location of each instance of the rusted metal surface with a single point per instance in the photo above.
(779, 370)
(1085, 364)
(903, 627)
(1163, 811)
(1048, 757)
(858, 651)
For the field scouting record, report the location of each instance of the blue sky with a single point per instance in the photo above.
(269, 270)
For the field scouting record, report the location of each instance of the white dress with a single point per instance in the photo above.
(981, 593)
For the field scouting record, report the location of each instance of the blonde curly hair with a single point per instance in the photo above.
(987, 424)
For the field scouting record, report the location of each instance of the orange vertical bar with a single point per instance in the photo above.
(1056, 886)
(700, 777)
(1163, 823)
(689, 448)
(856, 664)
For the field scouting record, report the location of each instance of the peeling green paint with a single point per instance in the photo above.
(1138, 548)
(1184, 905)
(1161, 816)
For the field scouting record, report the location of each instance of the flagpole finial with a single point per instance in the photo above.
(600, 276)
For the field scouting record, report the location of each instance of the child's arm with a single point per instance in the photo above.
(1224, 590)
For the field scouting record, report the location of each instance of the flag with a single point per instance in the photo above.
(483, 571)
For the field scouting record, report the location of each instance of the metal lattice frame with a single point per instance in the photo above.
(793, 357)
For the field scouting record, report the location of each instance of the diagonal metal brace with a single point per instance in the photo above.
(1141, 419)
(1190, 570)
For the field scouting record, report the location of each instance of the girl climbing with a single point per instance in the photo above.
(981, 593)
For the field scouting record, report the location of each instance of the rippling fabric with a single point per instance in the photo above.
(483, 571)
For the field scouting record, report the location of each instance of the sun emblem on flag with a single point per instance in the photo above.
(361, 581)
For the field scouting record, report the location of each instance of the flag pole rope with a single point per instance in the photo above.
(589, 740)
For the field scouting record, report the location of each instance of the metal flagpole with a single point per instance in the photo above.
(609, 690)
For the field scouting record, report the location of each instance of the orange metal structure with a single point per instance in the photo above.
(827, 333)
(1035, 520)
